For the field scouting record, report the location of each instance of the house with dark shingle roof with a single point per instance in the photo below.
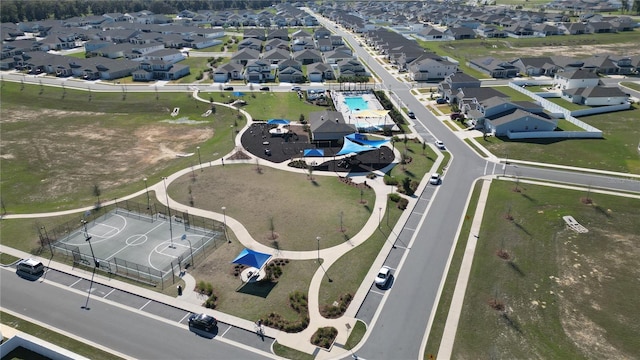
(575, 79)
(329, 125)
(595, 96)
(495, 68)
(229, 71)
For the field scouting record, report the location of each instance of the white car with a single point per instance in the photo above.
(435, 179)
(440, 144)
(383, 276)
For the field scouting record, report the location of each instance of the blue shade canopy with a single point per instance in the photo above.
(251, 258)
(353, 147)
(278, 122)
(313, 152)
(362, 140)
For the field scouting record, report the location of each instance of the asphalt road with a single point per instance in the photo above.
(129, 332)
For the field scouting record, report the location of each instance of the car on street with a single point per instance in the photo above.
(411, 115)
(441, 101)
(296, 88)
(435, 179)
(383, 276)
(228, 88)
(264, 88)
(202, 322)
(440, 144)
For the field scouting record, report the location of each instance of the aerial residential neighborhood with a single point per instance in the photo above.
(319, 180)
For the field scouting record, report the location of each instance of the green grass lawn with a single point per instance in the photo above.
(264, 105)
(513, 94)
(568, 105)
(616, 152)
(560, 290)
(631, 85)
(197, 66)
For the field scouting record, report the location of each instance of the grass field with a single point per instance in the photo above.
(616, 152)
(540, 290)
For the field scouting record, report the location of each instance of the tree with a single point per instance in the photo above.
(624, 5)
(636, 7)
(97, 192)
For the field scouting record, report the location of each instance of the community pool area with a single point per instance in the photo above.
(356, 103)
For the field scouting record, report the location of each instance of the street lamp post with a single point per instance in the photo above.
(164, 180)
(146, 189)
(318, 239)
(199, 159)
(379, 217)
(224, 219)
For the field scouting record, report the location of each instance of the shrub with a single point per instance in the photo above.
(388, 180)
(324, 337)
(402, 204)
(394, 197)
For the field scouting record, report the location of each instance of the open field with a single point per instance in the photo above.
(540, 290)
(616, 152)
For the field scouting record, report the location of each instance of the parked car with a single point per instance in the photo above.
(228, 88)
(456, 116)
(296, 88)
(411, 115)
(441, 101)
(267, 152)
(30, 267)
(383, 276)
(203, 322)
(264, 88)
(440, 144)
(435, 179)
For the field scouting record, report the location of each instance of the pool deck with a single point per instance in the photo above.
(372, 104)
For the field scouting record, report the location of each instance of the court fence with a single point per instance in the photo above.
(213, 233)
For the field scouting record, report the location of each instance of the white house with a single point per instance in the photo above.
(575, 79)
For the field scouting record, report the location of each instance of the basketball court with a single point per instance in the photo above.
(122, 237)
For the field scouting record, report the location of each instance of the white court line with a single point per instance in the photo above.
(142, 307)
(126, 246)
(409, 229)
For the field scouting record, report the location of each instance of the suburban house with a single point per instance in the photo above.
(535, 66)
(257, 71)
(451, 83)
(229, 71)
(575, 79)
(595, 96)
(430, 68)
(500, 116)
(319, 72)
(329, 125)
(495, 68)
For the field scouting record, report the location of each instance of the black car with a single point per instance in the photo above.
(441, 101)
(264, 88)
(411, 115)
(228, 88)
(203, 322)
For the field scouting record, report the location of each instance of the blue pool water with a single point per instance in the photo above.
(356, 103)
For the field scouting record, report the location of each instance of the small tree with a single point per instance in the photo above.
(97, 192)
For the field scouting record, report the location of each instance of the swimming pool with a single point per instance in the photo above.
(356, 103)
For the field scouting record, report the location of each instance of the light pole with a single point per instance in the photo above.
(224, 219)
(379, 217)
(199, 159)
(184, 237)
(87, 238)
(318, 239)
(146, 188)
(164, 180)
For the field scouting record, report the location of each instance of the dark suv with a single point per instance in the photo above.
(203, 322)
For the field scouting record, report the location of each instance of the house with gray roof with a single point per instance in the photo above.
(275, 56)
(245, 55)
(535, 66)
(495, 68)
(595, 96)
(516, 120)
(227, 72)
(307, 57)
(575, 79)
(329, 125)
(319, 72)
